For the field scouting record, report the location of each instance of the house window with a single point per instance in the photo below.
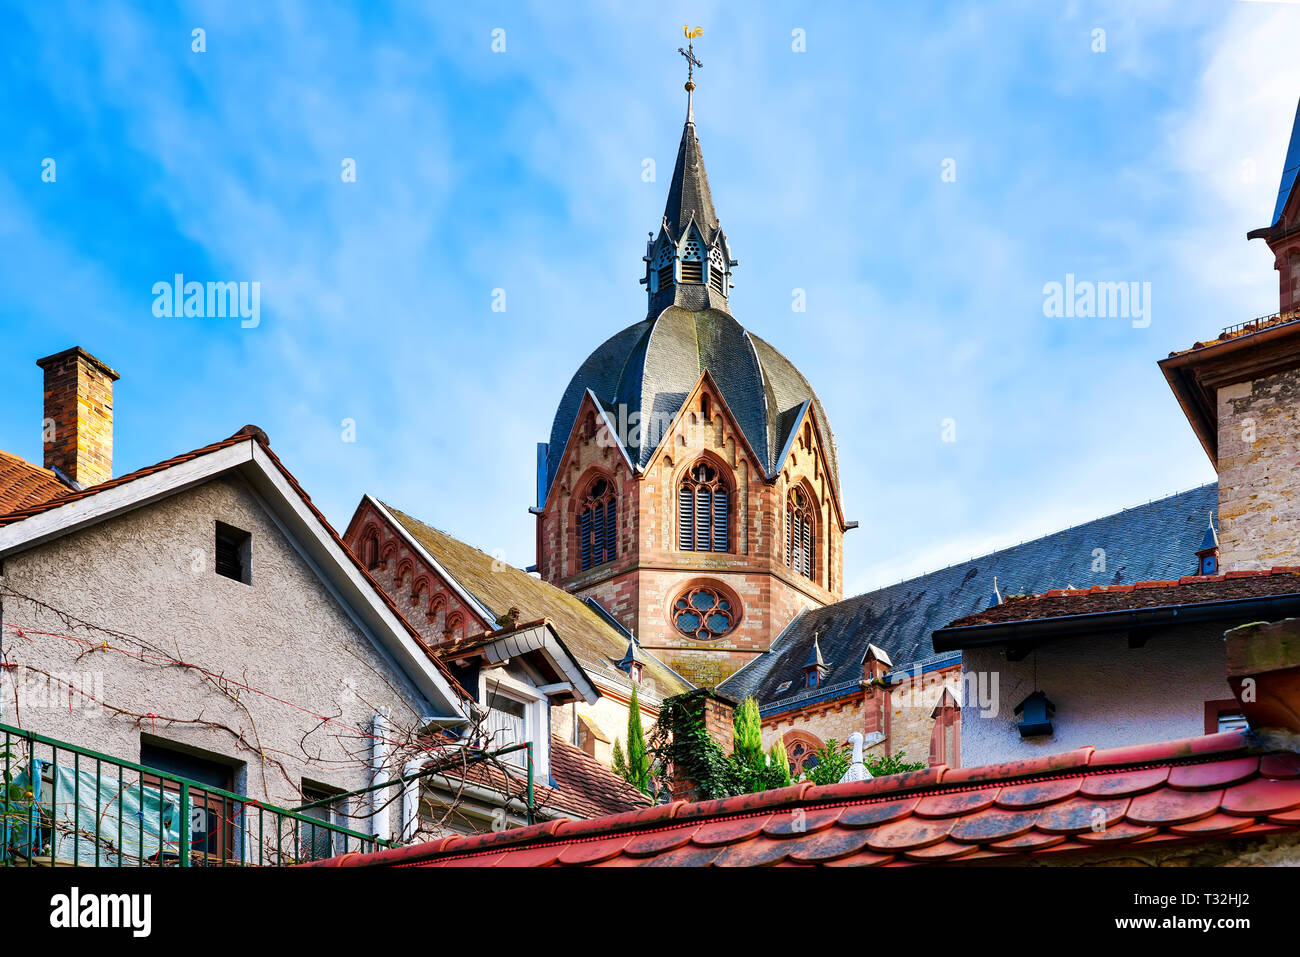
(212, 816)
(716, 278)
(693, 272)
(506, 724)
(799, 539)
(703, 511)
(598, 525)
(704, 613)
(234, 553)
(665, 276)
(319, 843)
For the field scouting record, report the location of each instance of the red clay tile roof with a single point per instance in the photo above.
(584, 787)
(34, 508)
(1195, 589)
(1242, 329)
(1198, 789)
(23, 485)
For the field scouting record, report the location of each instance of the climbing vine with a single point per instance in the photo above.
(681, 747)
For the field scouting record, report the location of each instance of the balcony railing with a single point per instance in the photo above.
(66, 806)
(1262, 322)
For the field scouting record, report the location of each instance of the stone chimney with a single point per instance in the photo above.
(78, 427)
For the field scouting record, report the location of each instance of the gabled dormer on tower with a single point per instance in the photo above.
(688, 264)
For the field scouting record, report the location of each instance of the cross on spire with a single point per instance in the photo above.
(692, 61)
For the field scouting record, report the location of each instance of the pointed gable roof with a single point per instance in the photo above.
(497, 586)
(689, 197)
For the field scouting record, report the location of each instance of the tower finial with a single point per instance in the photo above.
(691, 63)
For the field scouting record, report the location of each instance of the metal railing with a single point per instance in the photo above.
(67, 806)
(1252, 325)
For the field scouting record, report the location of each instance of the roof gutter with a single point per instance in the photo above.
(1068, 626)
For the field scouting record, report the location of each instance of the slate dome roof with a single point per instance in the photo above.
(650, 367)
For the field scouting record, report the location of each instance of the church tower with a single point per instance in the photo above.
(1240, 392)
(690, 486)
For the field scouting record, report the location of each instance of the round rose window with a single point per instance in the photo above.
(704, 613)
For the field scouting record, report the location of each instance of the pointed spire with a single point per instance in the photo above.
(1211, 538)
(815, 659)
(997, 595)
(684, 268)
(689, 197)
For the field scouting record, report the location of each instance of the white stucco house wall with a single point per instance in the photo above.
(124, 634)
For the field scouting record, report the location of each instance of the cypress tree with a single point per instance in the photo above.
(638, 761)
(620, 763)
(749, 734)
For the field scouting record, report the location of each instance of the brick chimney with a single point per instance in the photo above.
(78, 427)
(1264, 673)
(718, 714)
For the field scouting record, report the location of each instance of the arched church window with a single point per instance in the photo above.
(704, 613)
(703, 511)
(799, 539)
(598, 524)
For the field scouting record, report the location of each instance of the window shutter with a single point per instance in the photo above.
(720, 521)
(686, 519)
(584, 532)
(611, 530)
(703, 508)
(807, 550)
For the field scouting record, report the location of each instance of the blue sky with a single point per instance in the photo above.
(522, 170)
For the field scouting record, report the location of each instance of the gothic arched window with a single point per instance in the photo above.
(598, 524)
(704, 511)
(800, 542)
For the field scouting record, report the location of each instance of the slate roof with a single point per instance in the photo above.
(650, 367)
(1214, 788)
(1158, 540)
(1290, 167)
(498, 587)
(689, 197)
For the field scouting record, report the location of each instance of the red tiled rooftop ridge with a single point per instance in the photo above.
(1191, 589)
(1084, 801)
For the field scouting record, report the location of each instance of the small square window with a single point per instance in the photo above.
(234, 553)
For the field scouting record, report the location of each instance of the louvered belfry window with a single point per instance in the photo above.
(799, 545)
(598, 525)
(704, 511)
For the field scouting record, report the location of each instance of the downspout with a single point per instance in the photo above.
(380, 819)
(410, 803)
